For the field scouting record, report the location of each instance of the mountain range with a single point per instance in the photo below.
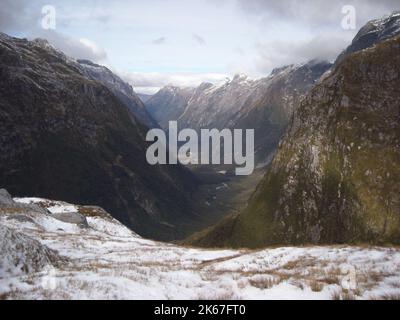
(327, 135)
(265, 105)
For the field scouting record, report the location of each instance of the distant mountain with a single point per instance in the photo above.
(335, 176)
(144, 97)
(121, 89)
(212, 106)
(265, 105)
(66, 136)
(168, 104)
(270, 107)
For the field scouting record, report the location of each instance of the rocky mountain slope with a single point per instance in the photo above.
(121, 90)
(335, 176)
(65, 136)
(211, 106)
(168, 104)
(45, 257)
(207, 106)
(144, 97)
(265, 105)
(269, 109)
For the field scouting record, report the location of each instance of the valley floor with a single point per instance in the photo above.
(45, 258)
(221, 194)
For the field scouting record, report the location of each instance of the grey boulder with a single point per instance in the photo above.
(71, 217)
(5, 198)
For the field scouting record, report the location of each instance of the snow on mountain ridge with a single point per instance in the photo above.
(372, 33)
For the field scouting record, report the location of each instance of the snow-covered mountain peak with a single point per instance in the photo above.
(43, 43)
(391, 21)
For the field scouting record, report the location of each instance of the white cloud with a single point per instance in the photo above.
(314, 28)
(76, 48)
(24, 17)
(316, 13)
(151, 82)
(278, 53)
(217, 38)
(95, 51)
(15, 14)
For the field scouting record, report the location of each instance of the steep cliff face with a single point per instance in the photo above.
(121, 90)
(207, 106)
(269, 109)
(68, 137)
(335, 176)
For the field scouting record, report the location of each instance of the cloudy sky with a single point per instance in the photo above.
(153, 43)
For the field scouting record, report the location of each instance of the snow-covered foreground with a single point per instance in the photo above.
(45, 258)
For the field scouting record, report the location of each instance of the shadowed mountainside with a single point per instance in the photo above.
(65, 136)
